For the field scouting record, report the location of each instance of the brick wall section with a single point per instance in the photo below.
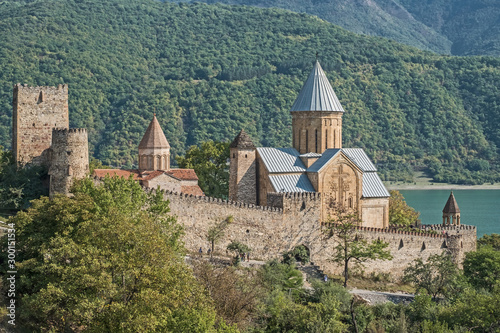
(295, 220)
(68, 159)
(36, 111)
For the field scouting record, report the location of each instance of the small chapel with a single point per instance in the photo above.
(316, 162)
(154, 166)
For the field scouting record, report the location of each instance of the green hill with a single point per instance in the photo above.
(210, 70)
(458, 27)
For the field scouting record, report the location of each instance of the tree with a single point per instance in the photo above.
(216, 233)
(209, 161)
(482, 268)
(350, 245)
(438, 276)
(239, 248)
(108, 259)
(399, 211)
(492, 240)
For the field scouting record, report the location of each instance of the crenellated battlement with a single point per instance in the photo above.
(29, 88)
(213, 200)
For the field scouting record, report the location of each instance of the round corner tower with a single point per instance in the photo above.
(68, 158)
(242, 169)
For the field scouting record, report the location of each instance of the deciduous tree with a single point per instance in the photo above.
(350, 244)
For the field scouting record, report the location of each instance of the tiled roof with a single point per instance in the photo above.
(359, 157)
(317, 94)
(291, 183)
(323, 160)
(279, 160)
(242, 140)
(183, 174)
(451, 205)
(373, 186)
(154, 136)
(194, 190)
(102, 173)
(148, 175)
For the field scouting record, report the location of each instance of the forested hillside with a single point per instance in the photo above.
(210, 70)
(458, 27)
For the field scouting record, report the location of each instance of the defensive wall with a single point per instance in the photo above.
(294, 219)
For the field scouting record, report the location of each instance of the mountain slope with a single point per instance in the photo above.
(208, 71)
(458, 27)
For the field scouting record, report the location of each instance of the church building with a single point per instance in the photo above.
(154, 165)
(317, 162)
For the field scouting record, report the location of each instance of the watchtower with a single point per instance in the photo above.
(68, 158)
(451, 212)
(36, 111)
(242, 169)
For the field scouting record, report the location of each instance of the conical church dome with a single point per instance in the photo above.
(154, 136)
(317, 94)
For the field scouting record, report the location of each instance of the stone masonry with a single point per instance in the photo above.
(293, 219)
(36, 111)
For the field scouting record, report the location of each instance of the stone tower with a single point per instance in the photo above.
(154, 150)
(317, 115)
(68, 159)
(451, 212)
(243, 170)
(36, 111)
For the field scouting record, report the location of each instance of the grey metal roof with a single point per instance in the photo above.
(373, 186)
(359, 157)
(321, 162)
(317, 94)
(279, 160)
(291, 183)
(311, 155)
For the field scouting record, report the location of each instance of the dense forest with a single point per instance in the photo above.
(210, 70)
(458, 27)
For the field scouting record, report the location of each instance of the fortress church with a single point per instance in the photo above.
(279, 198)
(317, 162)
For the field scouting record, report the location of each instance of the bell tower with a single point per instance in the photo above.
(451, 212)
(317, 115)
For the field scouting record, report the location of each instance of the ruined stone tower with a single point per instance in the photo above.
(36, 111)
(451, 212)
(243, 170)
(69, 158)
(316, 115)
(154, 150)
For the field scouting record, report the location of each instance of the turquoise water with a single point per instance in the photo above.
(477, 207)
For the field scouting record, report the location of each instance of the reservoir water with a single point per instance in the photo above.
(477, 207)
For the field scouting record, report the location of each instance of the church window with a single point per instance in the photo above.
(316, 141)
(350, 202)
(307, 141)
(234, 155)
(245, 155)
(326, 139)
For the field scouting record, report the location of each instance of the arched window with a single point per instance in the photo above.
(316, 141)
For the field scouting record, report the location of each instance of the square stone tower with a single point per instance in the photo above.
(36, 111)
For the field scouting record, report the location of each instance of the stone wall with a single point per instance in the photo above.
(243, 175)
(36, 111)
(68, 159)
(295, 220)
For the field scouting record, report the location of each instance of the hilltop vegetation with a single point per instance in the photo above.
(458, 27)
(210, 70)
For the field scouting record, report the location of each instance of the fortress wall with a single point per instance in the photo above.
(404, 246)
(252, 225)
(271, 231)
